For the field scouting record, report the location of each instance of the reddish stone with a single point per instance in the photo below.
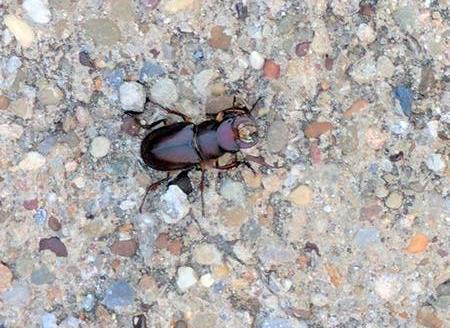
(219, 39)
(302, 48)
(126, 248)
(314, 152)
(271, 69)
(162, 241)
(31, 204)
(329, 63)
(4, 102)
(175, 247)
(54, 224)
(367, 9)
(316, 129)
(53, 244)
(358, 106)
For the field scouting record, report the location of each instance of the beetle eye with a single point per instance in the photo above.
(248, 133)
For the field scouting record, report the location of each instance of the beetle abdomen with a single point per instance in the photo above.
(170, 147)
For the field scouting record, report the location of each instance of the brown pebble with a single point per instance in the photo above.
(271, 69)
(54, 224)
(6, 277)
(53, 244)
(175, 247)
(358, 106)
(219, 39)
(316, 129)
(162, 241)
(130, 126)
(31, 204)
(302, 48)
(125, 248)
(4, 102)
(329, 63)
(367, 9)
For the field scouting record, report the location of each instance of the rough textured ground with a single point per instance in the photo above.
(353, 231)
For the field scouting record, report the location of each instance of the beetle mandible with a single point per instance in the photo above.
(185, 145)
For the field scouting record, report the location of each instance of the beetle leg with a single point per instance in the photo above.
(202, 189)
(152, 187)
(152, 125)
(256, 103)
(170, 111)
(259, 160)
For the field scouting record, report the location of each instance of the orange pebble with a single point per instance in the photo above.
(418, 243)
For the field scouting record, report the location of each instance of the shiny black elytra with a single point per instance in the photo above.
(185, 145)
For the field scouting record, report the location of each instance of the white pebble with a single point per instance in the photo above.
(174, 205)
(365, 33)
(256, 60)
(164, 92)
(387, 286)
(21, 30)
(11, 131)
(32, 161)
(132, 96)
(186, 278)
(207, 280)
(100, 147)
(37, 10)
(435, 163)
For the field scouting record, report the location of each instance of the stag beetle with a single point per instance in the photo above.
(185, 145)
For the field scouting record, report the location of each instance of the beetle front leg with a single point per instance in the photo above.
(169, 111)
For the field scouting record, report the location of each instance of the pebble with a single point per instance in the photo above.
(375, 139)
(186, 278)
(164, 92)
(407, 17)
(48, 320)
(394, 200)
(385, 67)
(321, 43)
(365, 33)
(174, 6)
(276, 141)
(357, 107)
(399, 127)
(102, 31)
(364, 71)
(126, 248)
(202, 81)
(37, 10)
(219, 39)
(316, 129)
(387, 286)
(54, 224)
(426, 316)
(151, 69)
(319, 299)
(22, 108)
(436, 163)
(301, 196)
(100, 147)
(18, 295)
(42, 276)
(50, 95)
(417, 244)
(275, 253)
(11, 131)
(366, 237)
(207, 254)
(118, 294)
(271, 69)
(53, 244)
(6, 278)
(21, 30)
(32, 161)
(132, 96)
(302, 49)
(174, 205)
(115, 77)
(4, 102)
(404, 96)
(207, 280)
(232, 191)
(256, 60)
(88, 302)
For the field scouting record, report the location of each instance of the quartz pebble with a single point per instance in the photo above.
(207, 280)
(32, 161)
(256, 60)
(365, 33)
(21, 30)
(186, 278)
(100, 147)
(132, 96)
(387, 286)
(174, 205)
(37, 10)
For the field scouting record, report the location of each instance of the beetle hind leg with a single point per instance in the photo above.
(152, 187)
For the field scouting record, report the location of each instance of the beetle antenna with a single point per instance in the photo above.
(254, 105)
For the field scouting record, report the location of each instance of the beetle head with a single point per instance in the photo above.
(237, 131)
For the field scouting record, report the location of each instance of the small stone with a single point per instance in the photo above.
(6, 277)
(21, 30)
(40, 216)
(394, 200)
(202, 81)
(53, 244)
(174, 205)
(301, 196)
(164, 92)
(256, 60)
(130, 126)
(358, 106)
(207, 280)
(366, 237)
(152, 4)
(436, 163)
(417, 244)
(319, 299)
(275, 252)
(4, 102)
(42, 276)
(207, 254)
(321, 43)
(22, 108)
(151, 69)
(174, 6)
(301, 49)
(54, 224)
(277, 137)
(32, 161)
(186, 278)
(276, 322)
(37, 10)
(364, 71)
(89, 302)
(375, 139)
(387, 286)
(102, 31)
(132, 96)
(404, 96)
(125, 248)
(232, 191)
(385, 68)
(316, 129)
(407, 17)
(118, 294)
(100, 147)
(427, 81)
(367, 9)
(50, 95)
(427, 317)
(365, 33)
(271, 69)
(11, 131)
(219, 39)
(48, 320)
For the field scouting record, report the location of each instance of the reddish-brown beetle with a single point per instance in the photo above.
(185, 145)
